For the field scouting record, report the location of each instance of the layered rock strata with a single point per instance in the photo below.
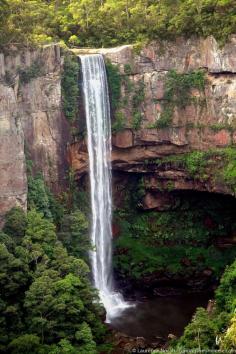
(208, 122)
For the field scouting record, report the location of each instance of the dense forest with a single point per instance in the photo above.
(109, 22)
(47, 302)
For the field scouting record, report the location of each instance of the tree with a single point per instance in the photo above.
(15, 223)
(27, 344)
(74, 234)
(55, 306)
(37, 196)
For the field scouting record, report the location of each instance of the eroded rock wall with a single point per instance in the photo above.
(32, 125)
(209, 122)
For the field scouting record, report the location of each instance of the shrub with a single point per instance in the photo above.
(114, 81)
(70, 88)
(178, 93)
(15, 222)
(119, 123)
(200, 333)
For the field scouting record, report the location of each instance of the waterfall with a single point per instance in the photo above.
(97, 109)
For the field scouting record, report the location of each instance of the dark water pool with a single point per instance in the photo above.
(160, 316)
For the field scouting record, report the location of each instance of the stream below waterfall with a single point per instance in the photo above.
(159, 316)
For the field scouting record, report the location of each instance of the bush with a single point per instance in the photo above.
(70, 87)
(205, 328)
(119, 123)
(37, 195)
(226, 292)
(41, 199)
(74, 234)
(114, 81)
(200, 333)
(15, 223)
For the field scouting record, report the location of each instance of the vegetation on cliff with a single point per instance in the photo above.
(108, 23)
(178, 90)
(187, 234)
(216, 164)
(70, 86)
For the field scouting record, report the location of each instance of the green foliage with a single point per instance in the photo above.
(47, 304)
(27, 344)
(205, 327)
(226, 292)
(229, 171)
(119, 123)
(109, 23)
(228, 341)
(148, 241)
(37, 195)
(74, 234)
(220, 126)
(114, 81)
(70, 88)
(15, 223)
(41, 199)
(178, 94)
(139, 94)
(137, 120)
(127, 69)
(165, 119)
(196, 163)
(178, 86)
(85, 338)
(200, 333)
(31, 72)
(137, 100)
(205, 164)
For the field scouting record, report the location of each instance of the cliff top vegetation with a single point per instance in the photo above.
(110, 22)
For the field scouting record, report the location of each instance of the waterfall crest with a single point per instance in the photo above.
(97, 109)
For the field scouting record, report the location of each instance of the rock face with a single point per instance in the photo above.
(32, 125)
(207, 122)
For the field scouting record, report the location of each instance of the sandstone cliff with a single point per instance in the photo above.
(207, 122)
(32, 125)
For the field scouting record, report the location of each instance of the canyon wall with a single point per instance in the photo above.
(207, 122)
(32, 126)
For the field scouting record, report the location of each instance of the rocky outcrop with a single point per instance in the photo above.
(207, 122)
(32, 125)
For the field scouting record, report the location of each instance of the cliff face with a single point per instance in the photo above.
(207, 121)
(32, 125)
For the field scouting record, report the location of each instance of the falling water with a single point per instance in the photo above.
(97, 105)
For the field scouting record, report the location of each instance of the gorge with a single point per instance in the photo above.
(173, 108)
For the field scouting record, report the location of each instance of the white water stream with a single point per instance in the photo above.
(97, 109)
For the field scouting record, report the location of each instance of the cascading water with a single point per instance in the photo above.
(97, 109)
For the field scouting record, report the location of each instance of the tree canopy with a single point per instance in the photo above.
(47, 304)
(111, 22)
